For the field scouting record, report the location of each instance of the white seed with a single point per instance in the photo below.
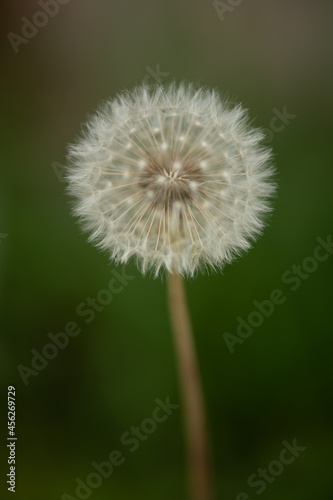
(141, 164)
(150, 194)
(161, 179)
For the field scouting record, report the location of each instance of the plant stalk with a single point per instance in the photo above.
(194, 412)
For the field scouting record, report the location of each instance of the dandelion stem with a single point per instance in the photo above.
(199, 463)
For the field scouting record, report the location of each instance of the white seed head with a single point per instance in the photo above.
(174, 177)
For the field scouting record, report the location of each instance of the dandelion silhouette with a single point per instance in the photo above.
(177, 179)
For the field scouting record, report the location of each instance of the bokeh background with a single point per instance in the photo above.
(277, 385)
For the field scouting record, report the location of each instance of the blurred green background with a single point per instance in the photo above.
(277, 385)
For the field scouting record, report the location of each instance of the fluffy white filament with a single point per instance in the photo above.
(172, 176)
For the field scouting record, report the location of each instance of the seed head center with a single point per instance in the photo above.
(166, 182)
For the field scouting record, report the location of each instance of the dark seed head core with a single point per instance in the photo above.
(166, 181)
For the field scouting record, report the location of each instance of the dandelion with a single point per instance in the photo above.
(173, 177)
(177, 179)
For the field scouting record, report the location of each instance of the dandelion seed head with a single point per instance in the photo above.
(173, 177)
